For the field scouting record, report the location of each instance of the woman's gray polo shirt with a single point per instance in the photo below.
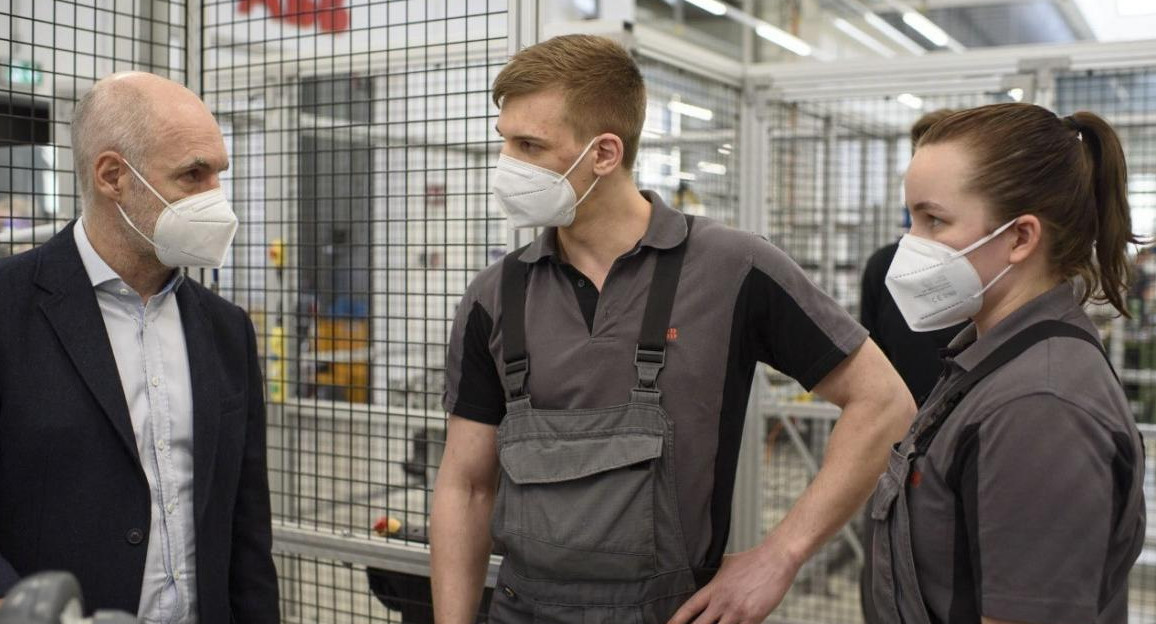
(740, 301)
(1029, 503)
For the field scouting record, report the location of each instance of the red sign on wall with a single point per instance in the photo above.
(328, 15)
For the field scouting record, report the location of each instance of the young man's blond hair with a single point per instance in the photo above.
(598, 78)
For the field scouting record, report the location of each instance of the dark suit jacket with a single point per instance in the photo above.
(73, 494)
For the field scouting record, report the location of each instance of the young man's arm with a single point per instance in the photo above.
(877, 409)
(460, 522)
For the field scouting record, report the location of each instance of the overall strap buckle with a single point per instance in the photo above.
(649, 363)
(516, 372)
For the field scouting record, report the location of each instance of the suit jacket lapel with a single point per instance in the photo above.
(204, 371)
(74, 314)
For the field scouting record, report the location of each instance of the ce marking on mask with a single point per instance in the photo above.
(936, 290)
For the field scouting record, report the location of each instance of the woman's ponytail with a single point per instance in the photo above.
(1113, 215)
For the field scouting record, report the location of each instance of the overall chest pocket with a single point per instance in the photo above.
(580, 506)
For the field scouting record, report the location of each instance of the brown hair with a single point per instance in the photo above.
(924, 123)
(599, 79)
(1069, 172)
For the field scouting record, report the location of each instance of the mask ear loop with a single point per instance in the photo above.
(983, 240)
(993, 281)
(146, 183)
(134, 227)
(579, 159)
(154, 191)
(979, 243)
(574, 166)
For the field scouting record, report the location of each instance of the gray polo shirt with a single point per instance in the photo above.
(740, 301)
(1028, 505)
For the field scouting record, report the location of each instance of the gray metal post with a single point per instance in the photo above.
(829, 195)
(746, 510)
(525, 29)
(891, 196)
(869, 225)
(195, 38)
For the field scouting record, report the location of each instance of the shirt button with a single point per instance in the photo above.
(124, 291)
(155, 381)
(161, 445)
(177, 575)
(134, 536)
(169, 508)
(581, 283)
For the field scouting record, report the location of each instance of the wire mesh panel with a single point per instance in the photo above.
(836, 172)
(362, 139)
(689, 144)
(1127, 100)
(51, 52)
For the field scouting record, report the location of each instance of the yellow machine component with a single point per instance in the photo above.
(277, 253)
(275, 372)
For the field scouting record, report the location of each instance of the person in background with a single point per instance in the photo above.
(914, 354)
(132, 413)
(1017, 495)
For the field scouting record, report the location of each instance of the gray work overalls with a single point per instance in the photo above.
(586, 511)
(893, 596)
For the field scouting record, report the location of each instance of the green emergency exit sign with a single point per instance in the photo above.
(24, 72)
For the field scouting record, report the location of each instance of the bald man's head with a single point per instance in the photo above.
(128, 112)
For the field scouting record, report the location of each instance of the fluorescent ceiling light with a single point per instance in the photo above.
(689, 177)
(927, 28)
(715, 168)
(1133, 8)
(880, 24)
(784, 39)
(651, 134)
(909, 100)
(714, 7)
(868, 41)
(1016, 94)
(691, 110)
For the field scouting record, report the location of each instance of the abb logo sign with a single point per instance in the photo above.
(328, 15)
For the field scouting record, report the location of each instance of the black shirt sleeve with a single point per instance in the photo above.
(473, 388)
(872, 288)
(791, 324)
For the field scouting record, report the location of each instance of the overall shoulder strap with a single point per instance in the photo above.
(514, 275)
(650, 354)
(1003, 354)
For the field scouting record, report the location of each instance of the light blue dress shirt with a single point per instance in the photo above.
(148, 342)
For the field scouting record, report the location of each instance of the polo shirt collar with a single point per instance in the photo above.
(666, 230)
(1056, 304)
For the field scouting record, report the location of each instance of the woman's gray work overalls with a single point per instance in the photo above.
(894, 596)
(586, 510)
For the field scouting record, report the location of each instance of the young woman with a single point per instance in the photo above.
(1016, 496)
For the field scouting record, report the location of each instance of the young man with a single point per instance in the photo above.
(601, 375)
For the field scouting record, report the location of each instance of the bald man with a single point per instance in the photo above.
(132, 420)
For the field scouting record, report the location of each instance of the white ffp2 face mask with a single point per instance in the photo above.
(935, 286)
(532, 196)
(194, 232)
